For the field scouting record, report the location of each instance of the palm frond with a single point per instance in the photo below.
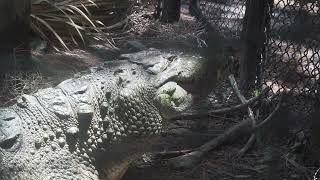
(83, 14)
(52, 30)
(77, 20)
(90, 1)
(86, 9)
(71, 22)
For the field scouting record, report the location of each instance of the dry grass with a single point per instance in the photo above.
(76, 22)
(188, 28)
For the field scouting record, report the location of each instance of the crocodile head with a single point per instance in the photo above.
(91, 126)
(168, 76)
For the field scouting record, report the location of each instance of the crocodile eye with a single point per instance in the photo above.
(10, 143)
(172, 58)
(10, 134)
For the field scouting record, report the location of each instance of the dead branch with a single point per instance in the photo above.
(170, 154)
(235, 88)
(241, 129)
(266, 120)
(252, 138)
(222, 110)
(247, 146)
(188, 160)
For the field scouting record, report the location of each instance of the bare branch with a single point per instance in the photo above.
(245, 127)
(252, 138)
(222, 110)
(265, 121)
(188, 160)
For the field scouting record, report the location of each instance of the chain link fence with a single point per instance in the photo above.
(292, 56)
(225, 16)
(291, 50)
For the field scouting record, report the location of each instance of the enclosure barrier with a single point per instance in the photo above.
(287, 51)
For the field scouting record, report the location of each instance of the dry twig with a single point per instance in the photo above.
(241, 129)
(223, 110)
(252, 138)
(170, 154)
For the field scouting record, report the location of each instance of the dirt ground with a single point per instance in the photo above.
(289, 159)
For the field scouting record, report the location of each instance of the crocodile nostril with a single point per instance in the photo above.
(9, 118)
(10, 142)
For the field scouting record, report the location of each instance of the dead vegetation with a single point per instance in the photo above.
(245, 127)
(149, 29)
(76, 22)
(225, 148)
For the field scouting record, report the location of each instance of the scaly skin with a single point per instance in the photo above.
(93, 126)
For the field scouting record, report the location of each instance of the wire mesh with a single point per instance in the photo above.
(223, 20)
(292, 47)
(225, 16)
(293, 51)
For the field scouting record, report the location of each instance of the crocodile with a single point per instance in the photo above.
(93, 125)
